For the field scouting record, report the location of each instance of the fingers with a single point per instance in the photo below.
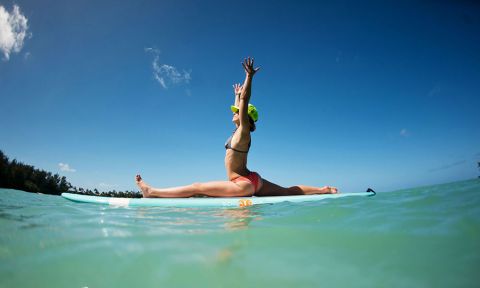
(250, 62)
(245, 67)
(237, 87)
(248, 65)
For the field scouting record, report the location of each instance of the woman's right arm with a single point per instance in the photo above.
(246, 91)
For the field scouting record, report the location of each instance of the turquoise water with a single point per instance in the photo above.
(421, 237)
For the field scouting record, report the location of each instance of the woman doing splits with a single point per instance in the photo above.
(242, 182)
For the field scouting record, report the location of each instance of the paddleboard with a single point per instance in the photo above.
(205, 201)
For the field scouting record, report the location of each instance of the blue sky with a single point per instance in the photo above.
(350, 94)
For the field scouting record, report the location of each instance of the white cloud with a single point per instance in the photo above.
(65, 167)
(404, 133)
(154, 50)
(165, 74)
(13, 31)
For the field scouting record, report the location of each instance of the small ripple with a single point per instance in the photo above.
(14, 217)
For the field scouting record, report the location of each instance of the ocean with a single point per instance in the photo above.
(419, 237)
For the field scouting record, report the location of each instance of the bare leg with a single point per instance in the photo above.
(272, 189)
(308, 190)
(213, 189)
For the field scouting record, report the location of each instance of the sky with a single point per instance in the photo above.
(352, 94)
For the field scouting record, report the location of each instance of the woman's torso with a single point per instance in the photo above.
(237, 147)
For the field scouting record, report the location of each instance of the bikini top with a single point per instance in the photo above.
(228, 144)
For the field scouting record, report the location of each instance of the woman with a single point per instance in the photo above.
(242, 182)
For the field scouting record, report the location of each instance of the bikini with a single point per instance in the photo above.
(228, 144)
(252, 177)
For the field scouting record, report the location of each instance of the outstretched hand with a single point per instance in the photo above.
(248, 66)
(237, 89)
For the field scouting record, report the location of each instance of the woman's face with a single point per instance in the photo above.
(236, 119)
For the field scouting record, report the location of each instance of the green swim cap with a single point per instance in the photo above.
(252, 111)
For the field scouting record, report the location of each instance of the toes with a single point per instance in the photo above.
(332, 190)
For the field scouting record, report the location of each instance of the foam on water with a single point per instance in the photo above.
(421, 237)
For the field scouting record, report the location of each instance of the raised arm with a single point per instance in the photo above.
(246, 91)
(237, 90)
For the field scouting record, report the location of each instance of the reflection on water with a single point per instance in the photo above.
(159, 222)
(238, 218)
(187, 220)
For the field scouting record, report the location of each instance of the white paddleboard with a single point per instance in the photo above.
(205, 201)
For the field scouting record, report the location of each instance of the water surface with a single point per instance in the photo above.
(421, 237)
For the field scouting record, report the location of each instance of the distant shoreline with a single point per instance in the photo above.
(19, 176)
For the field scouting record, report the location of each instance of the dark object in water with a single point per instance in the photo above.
(371, 190)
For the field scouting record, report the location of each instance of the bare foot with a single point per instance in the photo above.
(143, 186)
(328, 190)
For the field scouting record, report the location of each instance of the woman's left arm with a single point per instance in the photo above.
(237, 90)
(246, 91)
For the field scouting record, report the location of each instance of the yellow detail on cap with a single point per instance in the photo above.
(252, 111)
